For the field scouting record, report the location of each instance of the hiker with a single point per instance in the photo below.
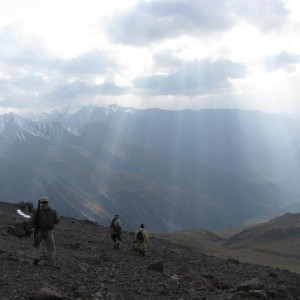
(141, 240)
(116, 231)
(43, 221)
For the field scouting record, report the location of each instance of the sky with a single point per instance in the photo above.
(170, 54)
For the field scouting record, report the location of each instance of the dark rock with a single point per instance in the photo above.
(238, 295)
(46, 293)
(20, 229)
(233, 260)
(27, 228)
(272, 274)
(157, 266)
(223, 285)
(253, 284)
(90, 222)
(16, 230)
(294, 291)
(258, 294)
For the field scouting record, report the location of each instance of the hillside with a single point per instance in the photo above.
(275, 242)
(280, 236)
(89, 268)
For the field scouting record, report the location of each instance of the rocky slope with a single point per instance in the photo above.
(89, 268)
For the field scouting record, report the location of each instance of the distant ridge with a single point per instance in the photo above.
(275, 242)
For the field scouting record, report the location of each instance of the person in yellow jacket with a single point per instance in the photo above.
(141, 240)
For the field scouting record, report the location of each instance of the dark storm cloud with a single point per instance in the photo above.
(192, 78)
(283, 60)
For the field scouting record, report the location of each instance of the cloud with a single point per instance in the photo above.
(283, 60)
(264, 14)
(151, 21)
(17, 50)
(164, 50)
(192, 78)
(20, 89)
(29, 74)
(67, 92)
(93, 62)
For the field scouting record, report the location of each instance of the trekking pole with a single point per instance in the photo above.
(37, 221)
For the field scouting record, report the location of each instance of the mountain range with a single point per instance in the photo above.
(171, 170)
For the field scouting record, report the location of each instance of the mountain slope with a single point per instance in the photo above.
(280, 236)
(172, 170)
(86, 178)
(87, 267)
(275, 242)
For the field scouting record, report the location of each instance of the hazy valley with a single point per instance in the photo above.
(172, 170)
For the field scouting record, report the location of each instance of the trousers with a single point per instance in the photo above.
(48, 238)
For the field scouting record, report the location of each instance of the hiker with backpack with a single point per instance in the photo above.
(116, 231)
(43, 220)
(141, 240)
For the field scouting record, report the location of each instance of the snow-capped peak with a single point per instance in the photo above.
(114, 107)
(9, 119)
(129, 110)
(14, 126)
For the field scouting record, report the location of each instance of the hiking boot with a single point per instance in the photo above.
(36, 261)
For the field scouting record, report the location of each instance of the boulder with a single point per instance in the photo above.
(253, 284)
(20, 229)
(157, 266)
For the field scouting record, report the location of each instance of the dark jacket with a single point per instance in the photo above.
(47, 208)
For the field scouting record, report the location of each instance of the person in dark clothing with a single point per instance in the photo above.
(43, 221)
(116, 231)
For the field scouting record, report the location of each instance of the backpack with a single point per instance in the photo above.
(46, 219)
(140, 236)
(112, 224)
